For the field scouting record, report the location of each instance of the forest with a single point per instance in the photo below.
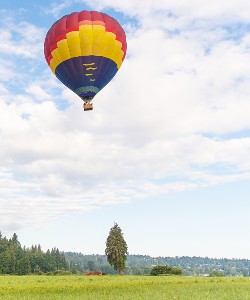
(142, 264)
(15, 259)
(21, 260)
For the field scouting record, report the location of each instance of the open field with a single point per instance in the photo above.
(123, 287)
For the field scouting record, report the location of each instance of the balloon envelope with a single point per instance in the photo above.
(85, 50)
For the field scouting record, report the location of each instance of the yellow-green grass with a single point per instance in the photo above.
(123, 287)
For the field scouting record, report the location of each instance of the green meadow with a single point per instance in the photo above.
(123, 287)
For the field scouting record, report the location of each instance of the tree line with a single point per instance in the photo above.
(143, 264)
(15, 259)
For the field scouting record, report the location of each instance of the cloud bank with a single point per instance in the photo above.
(175, 118)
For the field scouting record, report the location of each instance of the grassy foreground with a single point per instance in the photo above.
(123, 287)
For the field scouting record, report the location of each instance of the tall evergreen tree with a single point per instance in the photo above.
(116, 249)
(15, 241)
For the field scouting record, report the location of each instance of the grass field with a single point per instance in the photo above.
(123, 287)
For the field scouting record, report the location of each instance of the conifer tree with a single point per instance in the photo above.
(116, 249)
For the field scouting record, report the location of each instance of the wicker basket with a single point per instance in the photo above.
(88, 106)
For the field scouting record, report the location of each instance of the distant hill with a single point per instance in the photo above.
(142, 264)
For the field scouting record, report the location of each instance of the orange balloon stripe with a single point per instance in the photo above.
(89, 22)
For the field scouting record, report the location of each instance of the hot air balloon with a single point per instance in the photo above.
(85, 50)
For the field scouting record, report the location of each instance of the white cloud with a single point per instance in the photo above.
(21, 39)
(233, 11)
(56, 8)
(170, 15)
(38, 92)
(6, 72)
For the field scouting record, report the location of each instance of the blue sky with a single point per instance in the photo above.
(166, 151)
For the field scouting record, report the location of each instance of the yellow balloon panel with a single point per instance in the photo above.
(89, 40)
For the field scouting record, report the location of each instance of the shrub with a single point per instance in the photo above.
(163, 270)
(216, 273)
(61, 272)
